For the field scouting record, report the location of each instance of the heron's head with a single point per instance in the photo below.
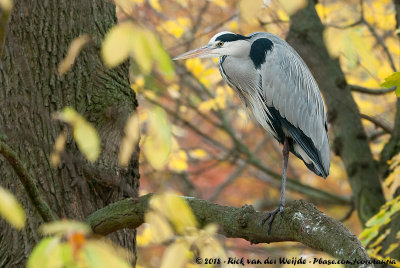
(221, 44)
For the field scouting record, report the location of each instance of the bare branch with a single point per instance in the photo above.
(377, 122)
(371, 91)
(300, 222)
(27, 181)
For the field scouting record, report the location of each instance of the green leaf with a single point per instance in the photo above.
(162, 58)
(11, 209)
(46, 254)
(85, 134)
(391, 81)
(64, 227)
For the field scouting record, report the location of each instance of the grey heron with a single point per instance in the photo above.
(274, 82)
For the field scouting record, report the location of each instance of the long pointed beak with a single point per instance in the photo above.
(201, 52)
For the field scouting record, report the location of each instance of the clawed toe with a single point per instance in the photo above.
(270, 218)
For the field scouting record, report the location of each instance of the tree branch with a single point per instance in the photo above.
(371, 91)
(377, 123)
(301, 222)
(27, 181)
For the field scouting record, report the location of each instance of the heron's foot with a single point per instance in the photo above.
(271, 216)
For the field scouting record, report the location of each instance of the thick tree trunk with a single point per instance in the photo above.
(350, 141)
(31, 91)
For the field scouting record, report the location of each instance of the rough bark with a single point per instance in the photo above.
(350, 140)
(31, 91)
(300, 222)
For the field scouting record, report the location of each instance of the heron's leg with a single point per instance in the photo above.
(271, 215)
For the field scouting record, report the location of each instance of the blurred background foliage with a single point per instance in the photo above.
(215, 151)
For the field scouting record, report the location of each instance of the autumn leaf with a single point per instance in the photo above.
(73, 51)
(11, 209)
(85, 134)
(393, 80)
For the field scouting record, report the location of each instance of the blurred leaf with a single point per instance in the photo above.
(73, 51)
(100, 254)
(58, 148)
(64, 227)
(198, 154)
(6, 5)
(145, 238)
(117, 44)
(157, 145)
(127, 39)
(161, 57)
(85, 134)
(11, 209)
(221, 3)
(391, 248)
(160, 228)
(155, 4)
(178, 161)
(129, 142)
(175, 255)
(50, 252)
(176, 209)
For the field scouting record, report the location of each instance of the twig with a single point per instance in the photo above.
(235, 174)
(27, 181)
(377, 123)
(378, 91)
(300, 222)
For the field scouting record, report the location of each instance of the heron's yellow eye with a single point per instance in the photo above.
(220, 44)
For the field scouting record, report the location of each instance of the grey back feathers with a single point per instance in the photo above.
(276, 85)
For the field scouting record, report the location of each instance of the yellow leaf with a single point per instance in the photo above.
(176, 209)
(117, 44)
(85, 134)
(177, 161)
(58, 148)
(100, 254)
(6, 5)
(220, 3)
(160, 228)
(155, 4)
(198, 154)
(129, 141)
(73, 51)
(63, 227)
(11, 209)
(175, 255)
(143, 239)
(157, 144)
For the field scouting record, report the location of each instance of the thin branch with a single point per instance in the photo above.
(236, 173)
(377, 123)
(371, 91)
(300, 222)
(27, 181)
(345, 26)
